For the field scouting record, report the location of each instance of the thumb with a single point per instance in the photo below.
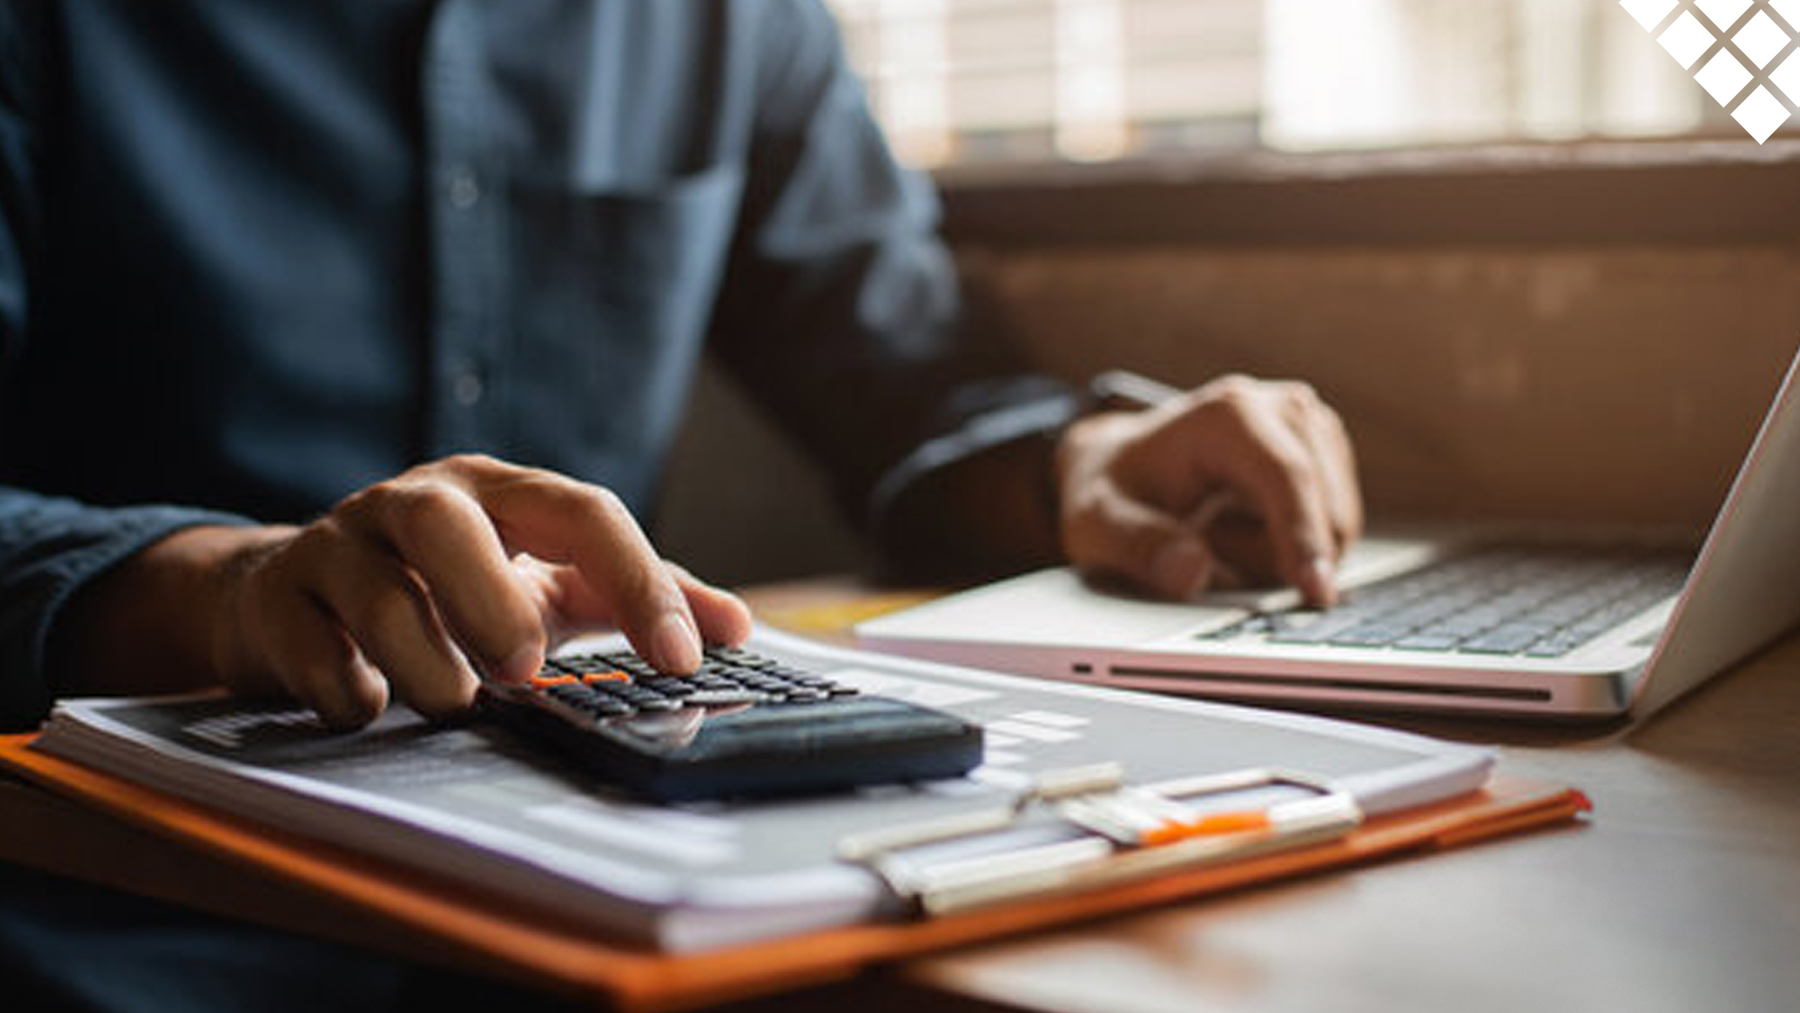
(1116, 534)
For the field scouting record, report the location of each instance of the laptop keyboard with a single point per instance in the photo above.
(1530, 602)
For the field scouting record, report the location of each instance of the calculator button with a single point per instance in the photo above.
(735, 656)
(724, 697)
(620, 683)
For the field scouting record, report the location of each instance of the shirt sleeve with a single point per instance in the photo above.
(841, 309)
(49, 547)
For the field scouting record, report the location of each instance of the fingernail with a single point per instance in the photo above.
(520, 665)
(1323, 575)
(676, 644)
(1180, 568)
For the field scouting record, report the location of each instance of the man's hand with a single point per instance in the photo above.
(418, 585)
(1238, 478)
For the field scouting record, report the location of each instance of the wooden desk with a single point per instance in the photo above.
(1683, 894)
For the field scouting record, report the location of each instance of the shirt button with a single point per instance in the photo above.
(465, 189)
(466, 388)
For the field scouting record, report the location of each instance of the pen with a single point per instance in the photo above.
(1132, 832)
(1125, 389)
(1143, 819)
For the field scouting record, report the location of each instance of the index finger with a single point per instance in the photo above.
(561, 520)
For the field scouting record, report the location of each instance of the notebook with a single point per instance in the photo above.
(1467, 620)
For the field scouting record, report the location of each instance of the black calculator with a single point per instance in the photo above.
(743, 725)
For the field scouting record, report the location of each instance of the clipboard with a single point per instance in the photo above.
(449, 921)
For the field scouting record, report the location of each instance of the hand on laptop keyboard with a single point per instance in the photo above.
(1140, 492)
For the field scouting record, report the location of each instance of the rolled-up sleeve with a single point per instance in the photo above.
(841, 309)
(49, 547)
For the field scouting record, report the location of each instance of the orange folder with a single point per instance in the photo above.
(453, 921)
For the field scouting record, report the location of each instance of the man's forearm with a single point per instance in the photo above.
(150, 624)
(52, 550)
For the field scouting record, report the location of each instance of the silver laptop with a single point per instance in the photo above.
(1474, 621)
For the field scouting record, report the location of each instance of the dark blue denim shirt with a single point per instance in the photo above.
(255, 254)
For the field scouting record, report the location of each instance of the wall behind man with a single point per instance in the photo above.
(1588, 335)
(742, 504)
(1561, 383)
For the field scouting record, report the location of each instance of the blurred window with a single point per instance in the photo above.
(959, 82)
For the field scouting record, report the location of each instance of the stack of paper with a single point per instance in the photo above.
(473, 803)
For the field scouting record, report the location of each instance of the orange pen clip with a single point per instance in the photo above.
(1205, 826)
(1124, 825)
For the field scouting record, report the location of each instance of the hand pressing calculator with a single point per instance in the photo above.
(742, 726)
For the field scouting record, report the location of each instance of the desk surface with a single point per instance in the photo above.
(1682, 894)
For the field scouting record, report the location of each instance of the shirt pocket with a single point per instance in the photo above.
(647, 239)
(646, 255)
(614, 290)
